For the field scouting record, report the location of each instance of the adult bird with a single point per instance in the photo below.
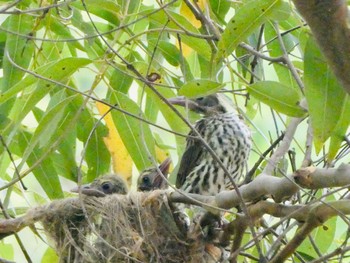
(154, 178)
(226, 134)
(104, 185)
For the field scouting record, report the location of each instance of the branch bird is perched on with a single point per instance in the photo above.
(104, 185)
(152, 178)
(228, 137)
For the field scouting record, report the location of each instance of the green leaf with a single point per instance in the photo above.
(92, 46)
(97, 156)
(220, 8)
(339, 132)
(281, 98)
(283, 73)
(50, 121)
(174, 121)
(6, 251)
(170, 52)
(58, 70)
(199, 88)
(136, 135)
(120, 79)
(19, 48)
(325, 97)
(45, 172)
(64, 161)
(199, 45)
(50, 256)
(307, 256)
(109, 10)
(62, 31)
(323, 236)
(46, 128)
(248, 18)
(151, 110)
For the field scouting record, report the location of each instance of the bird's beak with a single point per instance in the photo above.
(184, 102)
(87, 190)
(165, 165)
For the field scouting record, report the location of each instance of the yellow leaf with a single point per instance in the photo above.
(186, 12)
(121, 160)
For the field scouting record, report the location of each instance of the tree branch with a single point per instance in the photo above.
(328, 21)
(278, 188)
(317, 215)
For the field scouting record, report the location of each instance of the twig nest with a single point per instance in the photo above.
(138, 227)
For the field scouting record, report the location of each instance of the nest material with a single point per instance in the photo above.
(139, 227)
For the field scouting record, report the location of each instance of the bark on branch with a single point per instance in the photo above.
(328, 21)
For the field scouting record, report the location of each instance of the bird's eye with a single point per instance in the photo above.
(106, 187)
(145, 180)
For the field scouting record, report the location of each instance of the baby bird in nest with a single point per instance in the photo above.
(104, 185)
(154, 178)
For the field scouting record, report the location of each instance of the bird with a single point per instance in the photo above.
(104, 185)
(226, 134)
(154, 178)
(199, 172)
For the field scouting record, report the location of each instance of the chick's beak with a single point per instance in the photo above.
(82, 187)
(165, 165)
(86, 189)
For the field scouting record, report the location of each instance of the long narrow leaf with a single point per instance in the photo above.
(136, 136)
(248, 18)
(325, 96)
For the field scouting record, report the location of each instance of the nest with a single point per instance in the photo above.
(138, 227)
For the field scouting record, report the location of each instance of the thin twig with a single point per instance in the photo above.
(284, 146)
(261, 55)
(262, 157)
(288, 61)
(308, 147)
(13, 162)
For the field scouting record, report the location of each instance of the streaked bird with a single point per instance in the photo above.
(228, 137)
(152, 178)
(104, 185)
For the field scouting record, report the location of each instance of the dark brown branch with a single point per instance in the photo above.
(328, 21)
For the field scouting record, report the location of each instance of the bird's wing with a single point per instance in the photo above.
(191, 156)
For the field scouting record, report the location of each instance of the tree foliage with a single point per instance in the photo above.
(84, 87)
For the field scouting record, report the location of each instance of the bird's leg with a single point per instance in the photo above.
(209, 224)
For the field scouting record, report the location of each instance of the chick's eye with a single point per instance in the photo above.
(145, 179)
(106, 186)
